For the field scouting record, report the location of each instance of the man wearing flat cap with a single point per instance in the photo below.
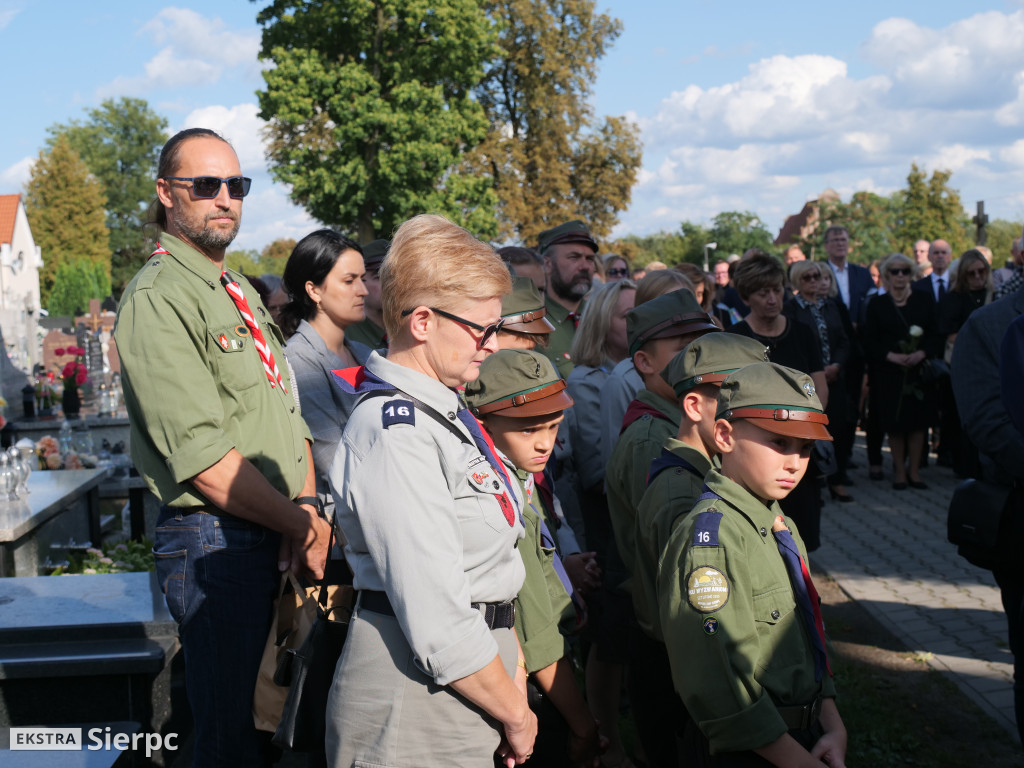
(370, 330)
(570, 260)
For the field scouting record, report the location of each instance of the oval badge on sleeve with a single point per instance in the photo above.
(707, 589)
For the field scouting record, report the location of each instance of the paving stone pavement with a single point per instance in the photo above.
(888, 551)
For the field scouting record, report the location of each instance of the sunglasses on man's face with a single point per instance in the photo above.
(900, 271)
(207, 187)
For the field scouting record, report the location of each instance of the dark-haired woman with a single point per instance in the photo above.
(324, 278)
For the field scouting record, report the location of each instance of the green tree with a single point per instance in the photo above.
(65, 207)
(369, 109)
(931, 210)
(1001, 234)
(274, 256)
(75, 283)
(548, 158)
(246, 262)
(120, 144)
(667, 247)
(871, 220)
(738, 231)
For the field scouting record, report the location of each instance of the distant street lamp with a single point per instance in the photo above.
(712, 246)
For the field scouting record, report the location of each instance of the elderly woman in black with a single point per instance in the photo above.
(899, 335)
(812, 307)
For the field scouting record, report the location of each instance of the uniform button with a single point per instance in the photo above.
(496, 484)
(293, 409)
(775, 615)
(451, 415)
(300, 459)
(764, 533)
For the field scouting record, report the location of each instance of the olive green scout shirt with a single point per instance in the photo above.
(735, 638)
(542, 600)
(560, 339)
(367, 332)
(194, 384)
(671, 495)
(629, 463)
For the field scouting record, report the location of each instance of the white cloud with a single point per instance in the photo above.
(13, 179)
(956, 157)
(240, 125)
(198, 50)
(7, 16)
(1013, 154)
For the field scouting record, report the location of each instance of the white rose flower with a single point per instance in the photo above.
(916, 331)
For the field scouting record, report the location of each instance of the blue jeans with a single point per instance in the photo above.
(219, 576)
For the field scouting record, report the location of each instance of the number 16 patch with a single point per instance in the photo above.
(398, 412)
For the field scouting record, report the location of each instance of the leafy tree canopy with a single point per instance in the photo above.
(65, 207)
(369, 109)
(75, 284)
(120, 144)
(549, 159)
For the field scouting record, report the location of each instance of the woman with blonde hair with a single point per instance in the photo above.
(614, 267)
(432, 673)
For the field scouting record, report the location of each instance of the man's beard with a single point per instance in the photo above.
(570, 291)
(199, 234)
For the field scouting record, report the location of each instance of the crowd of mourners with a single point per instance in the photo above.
(563, 484)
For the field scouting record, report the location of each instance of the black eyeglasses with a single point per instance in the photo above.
(207, 187)
(622, 272)
(488, 331)
(900, 271)
(808, 278)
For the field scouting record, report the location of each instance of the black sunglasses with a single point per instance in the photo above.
(488, 331)
(207, 187)
(900, 271)
(622, 272)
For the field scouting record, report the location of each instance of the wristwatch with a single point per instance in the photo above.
(313, 501)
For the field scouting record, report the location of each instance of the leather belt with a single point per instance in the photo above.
(496, 615)
(801, 717)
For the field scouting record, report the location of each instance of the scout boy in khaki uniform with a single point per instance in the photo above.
(739, 612)
(520, 399)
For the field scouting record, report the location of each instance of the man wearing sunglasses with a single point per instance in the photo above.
(217, 435)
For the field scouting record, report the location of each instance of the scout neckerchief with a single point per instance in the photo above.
(485, 445)
(235, 292)
(266, 356)
(548, 542)
(803, 588)
(638, 409)
(667, 460)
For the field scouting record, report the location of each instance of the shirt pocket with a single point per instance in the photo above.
(486, 490)
(237, 361)
(777, 621)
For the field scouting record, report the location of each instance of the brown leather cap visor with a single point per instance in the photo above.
(806, 424)
(550, 398)
(528, 322)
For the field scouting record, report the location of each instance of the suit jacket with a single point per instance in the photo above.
(860, 283)
(976, 386)
(925, 285)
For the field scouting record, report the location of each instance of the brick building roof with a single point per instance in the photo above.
(8, 213)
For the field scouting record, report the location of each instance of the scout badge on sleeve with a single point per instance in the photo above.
(707, 589)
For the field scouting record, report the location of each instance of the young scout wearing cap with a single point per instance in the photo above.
(656, 330)
(520, 400)
(524, 317)
(739, 612)
(570, 261)
(675, 479)
(370, 330)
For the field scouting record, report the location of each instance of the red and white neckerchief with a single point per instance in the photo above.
(266, 356)
(235, 292)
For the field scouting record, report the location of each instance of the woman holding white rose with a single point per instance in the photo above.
(900, 333)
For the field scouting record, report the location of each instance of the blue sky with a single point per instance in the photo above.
(740, 108)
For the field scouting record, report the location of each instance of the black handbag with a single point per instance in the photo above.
(303, 725)
(986, 524)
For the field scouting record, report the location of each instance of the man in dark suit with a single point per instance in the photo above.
(853, 280)
(935, 286)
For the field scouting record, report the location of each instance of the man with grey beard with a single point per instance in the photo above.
(217, 436)
(570, 260)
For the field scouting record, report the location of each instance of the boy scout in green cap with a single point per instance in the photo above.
(520, 399)
(674, 483)
(524, 317)
(570, 261)
(739, 612)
